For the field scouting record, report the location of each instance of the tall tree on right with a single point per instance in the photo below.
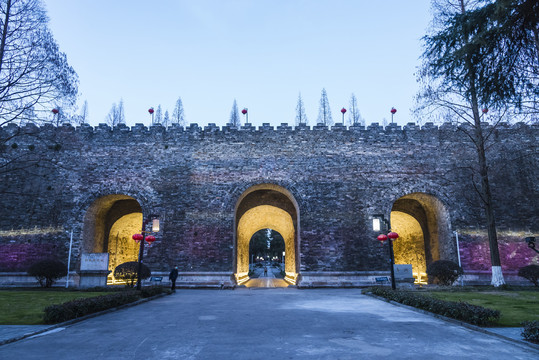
(324, 112)
(463, 78)
(301, 116)
(235, 116)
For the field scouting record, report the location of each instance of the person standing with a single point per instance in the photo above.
(172, 277)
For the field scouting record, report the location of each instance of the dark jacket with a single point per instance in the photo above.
(173, 275)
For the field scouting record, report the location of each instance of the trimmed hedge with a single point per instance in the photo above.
(530, 272)
(81, 307)
(445, 271)
(47, 271)
(473, 314)
(531, 331)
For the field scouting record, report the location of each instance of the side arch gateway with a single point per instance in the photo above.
(266, 206)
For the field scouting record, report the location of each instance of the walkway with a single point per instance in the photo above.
(266, 281)
(266, 324)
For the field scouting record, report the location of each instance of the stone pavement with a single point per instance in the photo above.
(279, 323)
(266, 281)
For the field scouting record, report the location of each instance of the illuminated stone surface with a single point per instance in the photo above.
(121, 246)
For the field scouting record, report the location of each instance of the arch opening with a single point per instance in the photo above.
(423, 225)
(266, 207)
(109, 224)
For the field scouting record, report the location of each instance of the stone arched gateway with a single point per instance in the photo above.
(260, 207)
(424, 229)
(109, 223)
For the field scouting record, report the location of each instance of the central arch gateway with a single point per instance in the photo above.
(260, 207)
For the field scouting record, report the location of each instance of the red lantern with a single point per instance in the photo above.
(343, 110)
(138, 237)
(55, 111)
(244, 111)
(382, 238)
(150, 110)
(393, 236)
(393, 110)
(150, 239)
(485, 110)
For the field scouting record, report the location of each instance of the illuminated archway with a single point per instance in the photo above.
(422, 223)
(109, 224)
(261, 207)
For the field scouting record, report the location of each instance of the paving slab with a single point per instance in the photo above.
(280, 323)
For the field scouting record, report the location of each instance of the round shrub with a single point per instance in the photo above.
(48, 271)
(445, 271)
(128, 272)
(530, 272)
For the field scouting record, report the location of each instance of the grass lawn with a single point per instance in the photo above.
(25, 307)
(515, 306)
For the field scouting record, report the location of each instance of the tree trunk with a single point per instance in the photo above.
(4, 34)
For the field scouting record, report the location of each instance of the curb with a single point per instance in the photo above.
(79, 319)
(457, 322)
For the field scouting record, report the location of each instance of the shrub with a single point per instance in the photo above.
(81, 307)
(445, 271)
(47, 271)
(530, 272)
(531, 331)
(128, 272)
(472, 314)
(150, 291)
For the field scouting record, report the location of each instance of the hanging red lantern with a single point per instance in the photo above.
(343, 110)
(382, 238)
(393, 236)
(150, 239)
(485, 110)
(393, 110)
(150, 110)
(55, 111)
(138, 237)
(244, 111)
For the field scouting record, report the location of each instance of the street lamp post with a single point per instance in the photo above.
(343, 111)
(393, 111)
(142, 237)
(151, 111)
(391, 236)
(245, 112)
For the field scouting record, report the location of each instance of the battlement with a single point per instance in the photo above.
(212, 128)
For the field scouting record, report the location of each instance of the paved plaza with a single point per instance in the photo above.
(278, 323)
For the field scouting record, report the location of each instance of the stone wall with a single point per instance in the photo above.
(193, 177)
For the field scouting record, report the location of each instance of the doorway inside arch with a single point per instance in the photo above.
(263, 207)
(267, 255)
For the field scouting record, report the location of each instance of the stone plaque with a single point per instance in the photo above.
(403, 271)
(95, 262)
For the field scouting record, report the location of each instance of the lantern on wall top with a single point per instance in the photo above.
(393, 111)
(244, 111)
(150, 110)
(343, 110)
(485, 110)
(55, 111)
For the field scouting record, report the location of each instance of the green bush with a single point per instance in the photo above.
(472, 314)
(150, 291)
(81, 307)
(530, 272)
(128, 272)
(47, 271)
(445, 271)
(531, 331)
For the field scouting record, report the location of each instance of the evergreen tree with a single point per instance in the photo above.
(301, 116)
(166, 119)
(354, 117)
(158, 119)
(235, 116)
(324, 111)
(178, 115)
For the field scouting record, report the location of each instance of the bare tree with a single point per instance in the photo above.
(354, 117)
(324, 111)
(235, 115)
(301, 116)
(34, 74)
(158, 119)
(178, 115)
(116, 114)
(84, 113)
(166, 119)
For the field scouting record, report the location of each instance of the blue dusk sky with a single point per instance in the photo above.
(261, 53)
